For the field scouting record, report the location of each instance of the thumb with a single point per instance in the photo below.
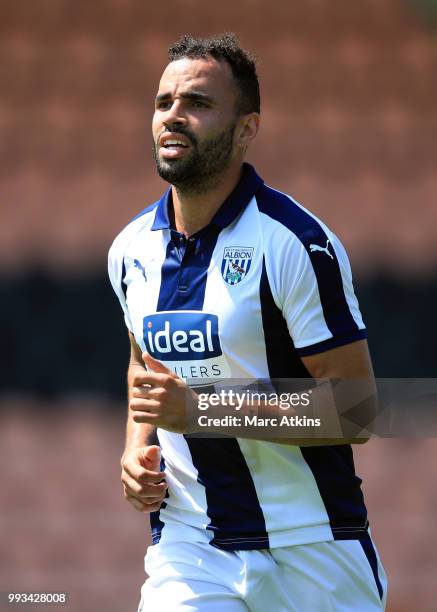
(156, 366)
(151, 458)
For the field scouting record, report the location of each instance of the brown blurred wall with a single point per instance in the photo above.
(348, 119)
(348, 127)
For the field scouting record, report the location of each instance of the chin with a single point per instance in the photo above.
(169, 173)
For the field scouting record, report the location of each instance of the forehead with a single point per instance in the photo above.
(207, 76)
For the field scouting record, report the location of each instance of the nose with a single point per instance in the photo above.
(174, 115)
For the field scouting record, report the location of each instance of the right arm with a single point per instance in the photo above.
(137, 434)
(143, 482)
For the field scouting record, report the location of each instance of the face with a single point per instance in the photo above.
(194, 123)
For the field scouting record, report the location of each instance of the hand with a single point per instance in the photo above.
(161, 398)
(142, 479)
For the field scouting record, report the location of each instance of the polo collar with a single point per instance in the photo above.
(162, 220)
(246, 188)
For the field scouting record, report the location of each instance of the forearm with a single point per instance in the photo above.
(343, 411)
(137, 434)
(318, 420)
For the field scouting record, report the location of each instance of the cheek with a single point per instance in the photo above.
(211, 127)
(156, 126)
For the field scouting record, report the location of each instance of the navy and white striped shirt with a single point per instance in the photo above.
(246, 297)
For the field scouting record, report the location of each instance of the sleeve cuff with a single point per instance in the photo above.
(331, 343)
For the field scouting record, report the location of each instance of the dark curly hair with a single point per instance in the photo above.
(225, 47)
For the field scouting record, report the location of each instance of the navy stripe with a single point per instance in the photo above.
(331, 343)
(233, 506)
(370, 553)
(340, 489)
(232, 502)
(184, 271)
(332, 466)
(282, 358)
(156, 524)
(123, 283)
(248, 185)
(281, 208)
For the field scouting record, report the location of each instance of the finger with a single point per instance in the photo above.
(157, 366)
(148, 392)
(135, 503)
(150, 457)
(141, 488)
(144, 507)
(135, 468)
(143, 468)
(152, 499)
(139, 472)
(150, 494)
(143, 464)
(142, 475)
(144, 492)
(142, 404)
(148, 508)
(142, 391)
(147, 377)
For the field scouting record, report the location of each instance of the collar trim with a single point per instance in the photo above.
(246, 188)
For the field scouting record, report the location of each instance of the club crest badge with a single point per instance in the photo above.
(236, 264)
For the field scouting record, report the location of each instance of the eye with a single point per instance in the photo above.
(163, 105)
(199, 104)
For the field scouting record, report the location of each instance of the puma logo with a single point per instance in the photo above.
(316, 247)
(140, 267)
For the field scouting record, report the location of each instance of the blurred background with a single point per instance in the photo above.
(349, 128)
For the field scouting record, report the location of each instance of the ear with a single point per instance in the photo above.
(247, 129)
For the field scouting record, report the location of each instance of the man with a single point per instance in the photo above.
(226, 278)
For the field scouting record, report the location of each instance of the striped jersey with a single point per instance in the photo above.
(262, 285)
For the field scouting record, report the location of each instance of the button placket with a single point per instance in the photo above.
(190, 249)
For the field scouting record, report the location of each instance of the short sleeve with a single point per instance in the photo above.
(116, 273)
(318, 299)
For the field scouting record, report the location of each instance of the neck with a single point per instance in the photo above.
(193, 211)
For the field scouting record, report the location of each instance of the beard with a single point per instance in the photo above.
(202, 167)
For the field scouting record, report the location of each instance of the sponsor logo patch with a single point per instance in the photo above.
(182, 336)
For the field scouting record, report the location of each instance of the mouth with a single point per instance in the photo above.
(173, 146)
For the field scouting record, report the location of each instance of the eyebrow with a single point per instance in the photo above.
(189, 95)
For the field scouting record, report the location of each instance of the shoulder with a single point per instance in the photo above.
(295, 237)
(139, 223)
(282, 212)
